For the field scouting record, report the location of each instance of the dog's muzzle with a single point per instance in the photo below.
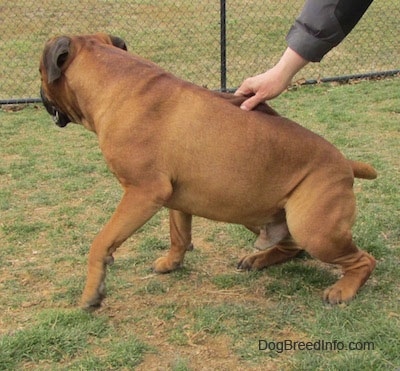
(59, 117)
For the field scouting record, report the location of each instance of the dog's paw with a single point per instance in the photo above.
(336, 294)
(165, 265)
(252, 262)
(90, 304)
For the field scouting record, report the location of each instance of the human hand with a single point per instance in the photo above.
(271, 83)
(262, 87)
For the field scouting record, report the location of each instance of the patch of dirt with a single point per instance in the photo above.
(214, 354)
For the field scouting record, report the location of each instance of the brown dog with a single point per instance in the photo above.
(171, 143)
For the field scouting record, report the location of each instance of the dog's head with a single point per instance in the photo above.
(58, 54)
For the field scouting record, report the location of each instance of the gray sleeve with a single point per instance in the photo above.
(323, 24)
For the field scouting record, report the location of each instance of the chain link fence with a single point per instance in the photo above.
(183, 36)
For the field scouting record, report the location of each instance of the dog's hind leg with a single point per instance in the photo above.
(357, 266)
(180, 225)
(278, 254)
(320, 222)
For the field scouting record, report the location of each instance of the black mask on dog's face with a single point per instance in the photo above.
(55, 59)
(59, 117)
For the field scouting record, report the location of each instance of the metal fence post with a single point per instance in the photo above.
(223, 44)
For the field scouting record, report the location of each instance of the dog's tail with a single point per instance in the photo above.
(363, 170)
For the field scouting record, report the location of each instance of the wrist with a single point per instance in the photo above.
(289, 64)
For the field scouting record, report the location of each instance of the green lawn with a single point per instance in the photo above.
(56, 193)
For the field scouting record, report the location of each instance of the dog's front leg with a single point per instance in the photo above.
(135, 208)
(180, 225)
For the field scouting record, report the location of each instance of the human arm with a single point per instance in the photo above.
(321, 26)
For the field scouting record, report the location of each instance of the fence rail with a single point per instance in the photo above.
(209, 43)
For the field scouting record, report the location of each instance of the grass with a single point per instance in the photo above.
(56, 193)
(56, 335)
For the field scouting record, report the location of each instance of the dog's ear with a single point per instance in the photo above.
(118, 42)
(55, 56)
